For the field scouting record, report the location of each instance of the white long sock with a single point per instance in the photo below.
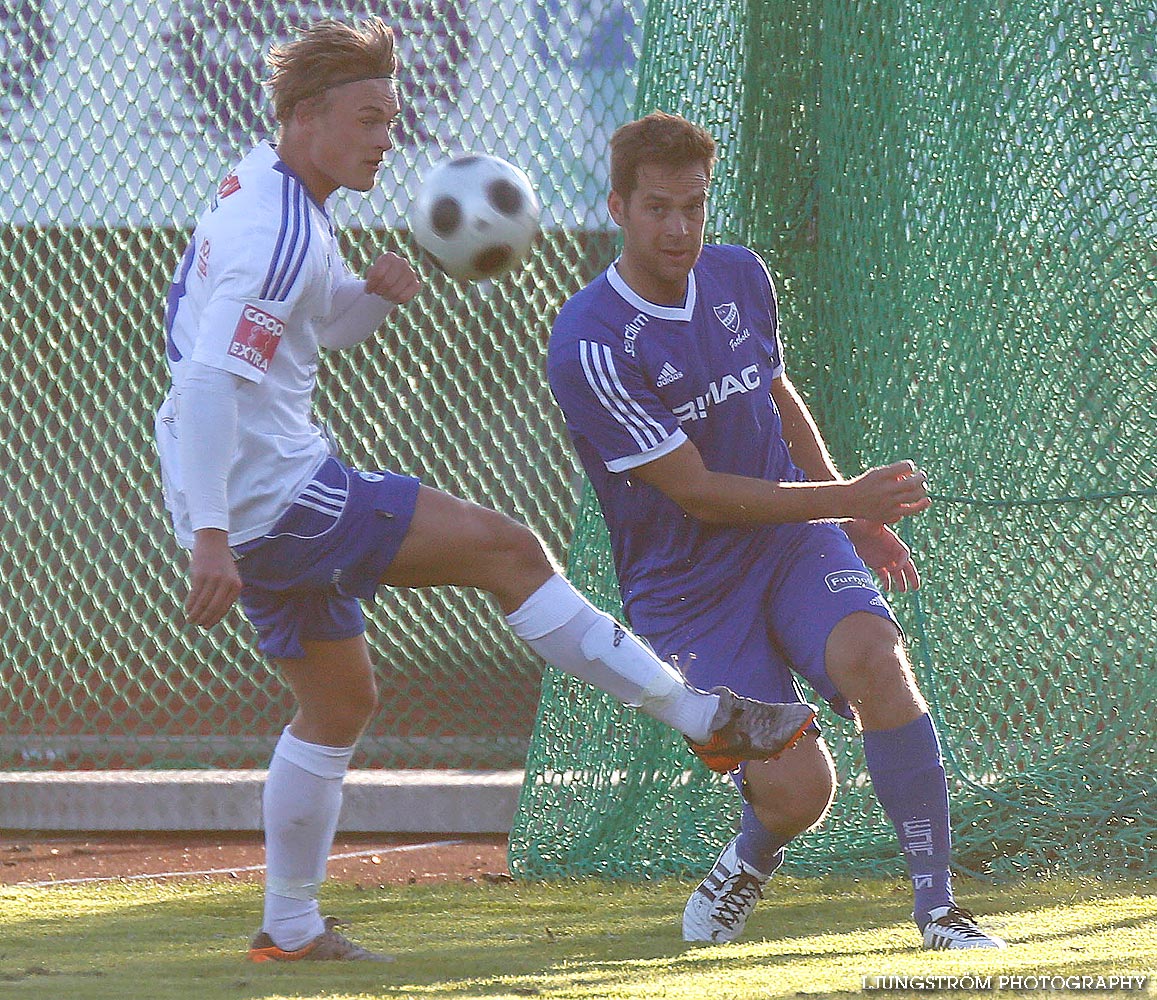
(301, 801)
(570, 633)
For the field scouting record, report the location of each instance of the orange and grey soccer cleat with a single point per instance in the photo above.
(746, 729)
(329, 946)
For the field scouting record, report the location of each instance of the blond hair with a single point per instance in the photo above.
(328, 54)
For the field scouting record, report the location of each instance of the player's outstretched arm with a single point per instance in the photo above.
(883, 495)
(361, 305)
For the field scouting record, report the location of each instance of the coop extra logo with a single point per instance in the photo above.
(256, 338)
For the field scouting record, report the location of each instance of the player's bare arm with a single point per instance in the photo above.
(887, 555)
(801, 433)
(884, 495)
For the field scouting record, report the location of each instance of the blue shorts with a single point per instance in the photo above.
(305, 578)
(769, 627)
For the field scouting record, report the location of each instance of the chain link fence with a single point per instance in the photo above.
(117, 121)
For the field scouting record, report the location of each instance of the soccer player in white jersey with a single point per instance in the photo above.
(274, 519)
(741, 551)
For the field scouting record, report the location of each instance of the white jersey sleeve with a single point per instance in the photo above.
(250, 290)
(356, 315)
(206, 444)
(247, 299)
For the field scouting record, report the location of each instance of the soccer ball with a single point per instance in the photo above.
(476, 215)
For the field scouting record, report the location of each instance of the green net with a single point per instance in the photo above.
(957, 202)
(117, 120)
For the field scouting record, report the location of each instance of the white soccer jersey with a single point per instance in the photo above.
(252, 289)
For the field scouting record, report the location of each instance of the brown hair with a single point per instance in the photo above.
(660, 138)
(329, 54)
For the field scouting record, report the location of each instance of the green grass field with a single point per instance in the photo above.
(813, 938)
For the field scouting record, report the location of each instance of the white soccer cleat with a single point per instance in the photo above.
(952, 927)
(718, 909)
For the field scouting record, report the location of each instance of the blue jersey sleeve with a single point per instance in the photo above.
(768, 293)
(609, 404)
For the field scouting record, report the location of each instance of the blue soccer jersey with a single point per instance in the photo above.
(635, 380)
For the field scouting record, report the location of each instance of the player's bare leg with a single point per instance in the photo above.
(336, 696)
(457, 543)
(335, 690)
(867, 662)
(792, 793)
(453, 542)
(784, 797)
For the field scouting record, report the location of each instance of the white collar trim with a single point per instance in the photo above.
(682, 313)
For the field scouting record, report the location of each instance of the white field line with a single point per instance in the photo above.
(225, 871)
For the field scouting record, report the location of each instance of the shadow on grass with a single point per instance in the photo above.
(454, 940)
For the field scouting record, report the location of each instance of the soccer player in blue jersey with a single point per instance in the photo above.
(273, 518)
(742, 553)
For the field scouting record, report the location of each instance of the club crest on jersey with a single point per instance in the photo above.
(256, 337)
(728, 315)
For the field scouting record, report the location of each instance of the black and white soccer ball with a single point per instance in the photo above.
(476, 215)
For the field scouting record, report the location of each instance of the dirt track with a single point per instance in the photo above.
(375, 860)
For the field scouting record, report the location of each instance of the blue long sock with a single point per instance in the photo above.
(758, 846)
(908, 775)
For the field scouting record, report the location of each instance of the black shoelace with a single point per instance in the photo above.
(959, 919)
(735, 900)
